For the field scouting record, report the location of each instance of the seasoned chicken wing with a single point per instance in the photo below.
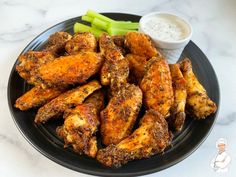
(157, 86)
(30, 62)
(137, 66)
(37, 96)
(118, 118)
(180, 94)
(119, 41)
(198, 102)
(140, 44)
(68, 70)
(56, 43)
(81, 42)
(115, 70)
(150, 138)
(81, 124)
(71, 98)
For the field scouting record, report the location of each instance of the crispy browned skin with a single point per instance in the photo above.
(37, 96)
(150, 138)
(118, 118)
(136, 65)
(119, 41)
(58, 105)
(56, 42)
(199, 104)
(81, 42)
(180, 94)
(157, 86)
(140, 44)
(68, 70)
(30, 62)
(81, 124)
(115, 70)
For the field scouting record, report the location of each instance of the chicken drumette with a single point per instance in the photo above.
(81, 125)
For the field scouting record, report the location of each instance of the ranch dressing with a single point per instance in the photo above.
(166, 28)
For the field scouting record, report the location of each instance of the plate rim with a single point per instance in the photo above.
(81, 170)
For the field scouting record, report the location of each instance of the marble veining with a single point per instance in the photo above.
(214, 27)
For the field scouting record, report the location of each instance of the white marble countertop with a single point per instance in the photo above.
(214, 27)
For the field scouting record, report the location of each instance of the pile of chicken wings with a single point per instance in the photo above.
(98, 86)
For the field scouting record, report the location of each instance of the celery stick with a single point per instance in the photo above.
(79, 27)
(100, 24)
(124, 25)
(93, 14)
(87, 18)
(118, 31)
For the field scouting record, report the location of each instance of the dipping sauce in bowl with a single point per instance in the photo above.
(169, 33)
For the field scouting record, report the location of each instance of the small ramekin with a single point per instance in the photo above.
(170, 49)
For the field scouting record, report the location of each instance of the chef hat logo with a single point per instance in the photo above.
(221, 141)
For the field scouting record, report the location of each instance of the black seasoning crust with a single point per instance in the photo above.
(150, 138)
(118, 118)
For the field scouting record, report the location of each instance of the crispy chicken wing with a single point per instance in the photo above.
(157, 86)
(180, 94)
(71, 98)
(30, 62)
(119, 41)
(81, 42)
(150, 138)
(118, 118)
(137, 66)
(115, 70)
(81, 125)
(140, 44)
(199, 104)
(37, 96)
(68, 70)
(56, 43)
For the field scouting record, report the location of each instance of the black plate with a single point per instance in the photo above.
(44, 139)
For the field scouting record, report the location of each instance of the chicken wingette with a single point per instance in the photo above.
(30, 62)
(56, 43)
(180, 94)
(58, 105)
(157, 86)
(137, 66)
(140, 44)
(115, 70)
(199, 104)
(81, 42)
(69, 70)
(150, 138)
(118, 118)
(81, 124)
(37, 96)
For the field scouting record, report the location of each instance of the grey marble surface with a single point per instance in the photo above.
(214, 27)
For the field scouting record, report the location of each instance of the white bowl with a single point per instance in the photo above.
(171, 49)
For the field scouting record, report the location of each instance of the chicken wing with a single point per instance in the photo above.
(71, 98)
(140, 44)
(118, 118)
(37, 96)
(157, 86)
(137, 66)
(81, 125)
(198, 102)
(150, 138)
(56, 43)
(115, 70)
(81, 42)
(30, 62)
(119, 41)
(70, 69)
(180, 94)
